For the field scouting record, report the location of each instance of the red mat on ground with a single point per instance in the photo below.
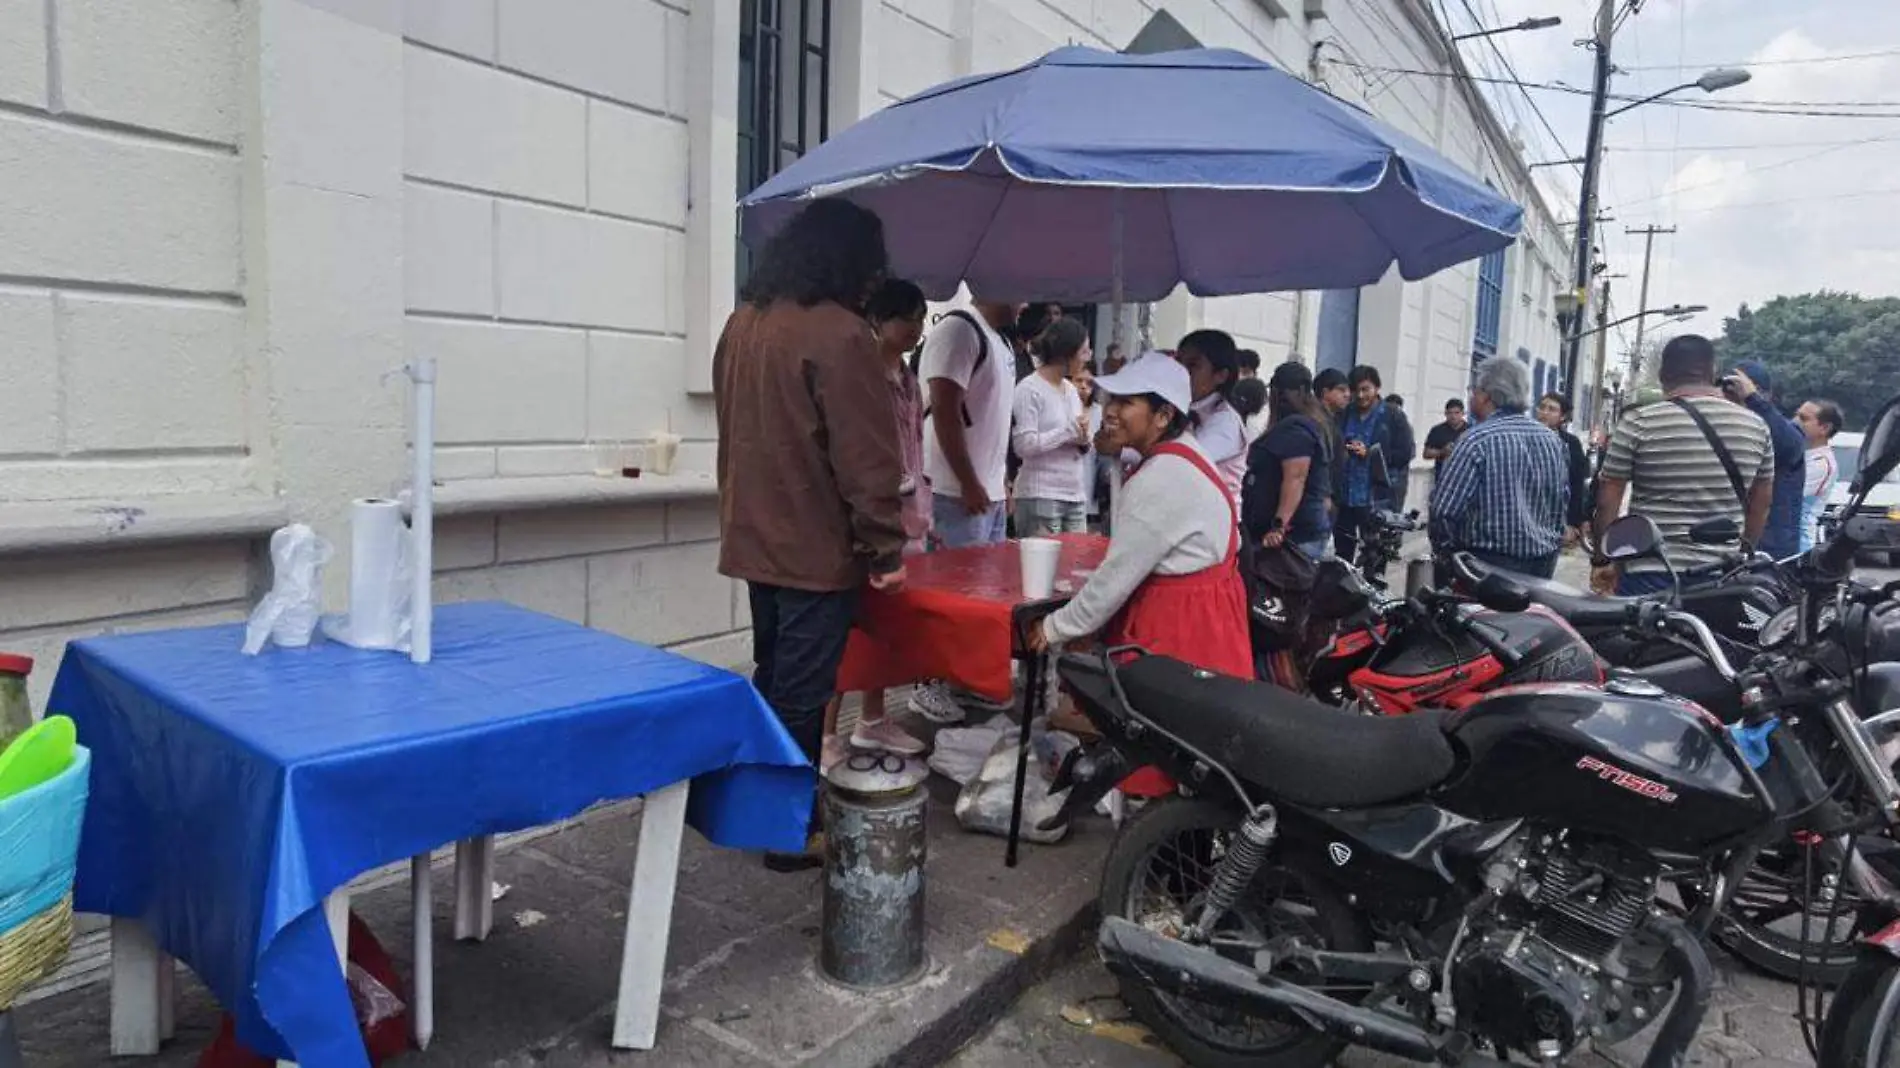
(951, 620)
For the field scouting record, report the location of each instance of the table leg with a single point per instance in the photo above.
(474, 889)
(141, 990)
(1032, 705)
(649, 918)
(422, 915)
(336, 913)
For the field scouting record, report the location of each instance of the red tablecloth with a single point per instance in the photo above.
(952, 619)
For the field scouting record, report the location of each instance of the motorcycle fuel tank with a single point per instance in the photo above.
(1653, 771)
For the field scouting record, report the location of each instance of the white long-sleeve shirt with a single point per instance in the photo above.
(1223, 437)
(1045, 439)
(1170, 519)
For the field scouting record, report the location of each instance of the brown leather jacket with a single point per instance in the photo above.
(809, 467)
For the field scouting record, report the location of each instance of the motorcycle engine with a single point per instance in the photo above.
(1539, 973)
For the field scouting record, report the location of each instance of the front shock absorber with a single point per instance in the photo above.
(1246, 851)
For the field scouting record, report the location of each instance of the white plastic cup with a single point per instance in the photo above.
(1040, 557)
(661, 453)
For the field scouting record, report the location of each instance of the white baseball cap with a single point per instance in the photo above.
(1153, 373)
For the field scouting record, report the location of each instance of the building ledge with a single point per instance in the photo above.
(65, 526)
(486, 496)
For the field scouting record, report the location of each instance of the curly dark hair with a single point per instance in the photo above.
(832, 250)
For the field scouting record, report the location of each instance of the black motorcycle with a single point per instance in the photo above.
(1457, 888)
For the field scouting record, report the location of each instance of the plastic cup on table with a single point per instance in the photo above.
(1040, 557)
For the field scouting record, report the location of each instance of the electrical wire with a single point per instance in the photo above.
(1810, 60)
(1800, 108)
(1752, 170)
(1821, 198)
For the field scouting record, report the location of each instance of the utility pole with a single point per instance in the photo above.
(1642, 297)
(1603, 354)
(1586, 202)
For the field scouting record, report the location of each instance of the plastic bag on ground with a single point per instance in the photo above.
(984, 804)
(287, 616)
(958, 753)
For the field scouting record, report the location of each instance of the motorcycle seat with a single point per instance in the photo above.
(1581, 608)
(1297, 748)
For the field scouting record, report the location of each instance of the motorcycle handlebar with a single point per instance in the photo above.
(1656, 616)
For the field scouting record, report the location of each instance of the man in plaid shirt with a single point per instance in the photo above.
(1503, 492)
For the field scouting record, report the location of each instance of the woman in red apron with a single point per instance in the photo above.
(1170, 582)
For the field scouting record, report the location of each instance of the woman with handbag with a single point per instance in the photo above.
(1170, 582)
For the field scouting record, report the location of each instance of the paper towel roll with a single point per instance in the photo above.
(379, 591)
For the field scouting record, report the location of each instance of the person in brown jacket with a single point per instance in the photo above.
(810, 472)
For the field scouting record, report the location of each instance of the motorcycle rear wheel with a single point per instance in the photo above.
(1850, 1017)
(1157, 873)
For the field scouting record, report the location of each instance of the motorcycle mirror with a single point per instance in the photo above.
(1720, 530)
(1500, 594)
(1880, 449)
(1632, 537)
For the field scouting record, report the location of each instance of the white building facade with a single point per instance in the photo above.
(223, 225)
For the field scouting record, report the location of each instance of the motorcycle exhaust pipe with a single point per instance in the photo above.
(1678, 1030)
(1134, 952)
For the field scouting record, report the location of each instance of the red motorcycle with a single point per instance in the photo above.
(1431, 650)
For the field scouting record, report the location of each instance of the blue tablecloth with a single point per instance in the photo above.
(231, 794)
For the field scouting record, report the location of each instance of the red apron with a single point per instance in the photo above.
(1200, 618)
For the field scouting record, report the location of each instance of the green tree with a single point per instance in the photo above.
(1838, 346)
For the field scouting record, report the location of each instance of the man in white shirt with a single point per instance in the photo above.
(969, 378)
(967, 371)
(1819, 421)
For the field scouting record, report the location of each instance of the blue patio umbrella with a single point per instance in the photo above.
(1205, 167)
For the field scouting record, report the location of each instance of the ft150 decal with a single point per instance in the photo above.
(1628, 780)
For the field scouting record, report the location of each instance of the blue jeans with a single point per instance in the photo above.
(798, 639)
(1038, 517)
(956, 528)
(1319, 548)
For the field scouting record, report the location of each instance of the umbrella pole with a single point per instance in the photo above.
(1115, 337)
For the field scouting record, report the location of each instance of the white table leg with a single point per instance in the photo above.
(141, 990)
(474, 889)
(423, 916)
(656, 869)
(336, 913)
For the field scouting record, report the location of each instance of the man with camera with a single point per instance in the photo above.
(1750, 385)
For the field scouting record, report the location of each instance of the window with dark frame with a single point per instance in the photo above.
(1484, 340)
(784, 89)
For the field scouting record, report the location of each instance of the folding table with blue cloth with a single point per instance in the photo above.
(235, 797)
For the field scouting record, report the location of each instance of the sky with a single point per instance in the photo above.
(1763, 205)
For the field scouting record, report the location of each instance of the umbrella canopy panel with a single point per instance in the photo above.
(1216, 169)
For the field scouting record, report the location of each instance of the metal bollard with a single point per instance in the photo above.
(1418, 575)
(873, 933)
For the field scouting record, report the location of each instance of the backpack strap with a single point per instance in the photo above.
(982, 356)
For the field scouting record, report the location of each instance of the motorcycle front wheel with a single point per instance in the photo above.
(1870, 992)
(1158, 874)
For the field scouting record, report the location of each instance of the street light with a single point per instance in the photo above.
(1544, 22)
(1571, 162)
(1713, 81)
(1675, 312)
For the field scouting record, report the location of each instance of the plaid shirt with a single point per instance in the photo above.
(1504, 490)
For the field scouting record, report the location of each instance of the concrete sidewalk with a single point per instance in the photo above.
(742, 988)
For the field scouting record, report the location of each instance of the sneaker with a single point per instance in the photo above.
(980, 702)
(934, 702)
(834, 750)
(887, 736)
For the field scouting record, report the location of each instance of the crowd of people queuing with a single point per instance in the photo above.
(852, 435)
